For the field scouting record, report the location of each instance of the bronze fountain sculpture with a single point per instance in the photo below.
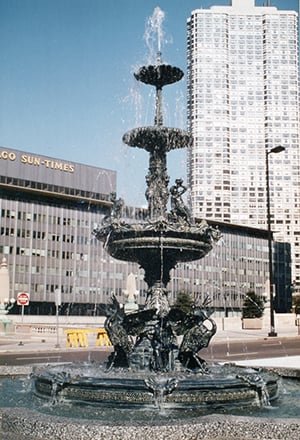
(148, 367)
(157, 245)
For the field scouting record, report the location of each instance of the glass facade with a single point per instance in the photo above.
(243, 101)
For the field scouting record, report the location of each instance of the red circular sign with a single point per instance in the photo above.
(23, 299)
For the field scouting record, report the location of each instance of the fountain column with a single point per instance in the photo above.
(157, 180)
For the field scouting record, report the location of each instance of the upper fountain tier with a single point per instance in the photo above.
(159, 75)
(158, 137)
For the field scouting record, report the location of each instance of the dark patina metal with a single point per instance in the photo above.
(148, 366)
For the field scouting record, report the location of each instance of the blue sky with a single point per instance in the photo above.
(66, 80)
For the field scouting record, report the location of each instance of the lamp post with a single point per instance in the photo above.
(57, 305)
(277, 149)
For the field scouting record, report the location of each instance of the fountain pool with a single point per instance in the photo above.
(26, 417)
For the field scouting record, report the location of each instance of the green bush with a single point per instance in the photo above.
(183, 302)
(253, 306)
(296, 303)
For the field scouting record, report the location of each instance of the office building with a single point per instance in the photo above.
(49, 208)
(243, 101)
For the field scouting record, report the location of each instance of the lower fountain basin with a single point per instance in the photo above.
(25, 417)
(176, 241)
(157, 246)
(222, 386)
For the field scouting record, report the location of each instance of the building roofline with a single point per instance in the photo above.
(242, 228)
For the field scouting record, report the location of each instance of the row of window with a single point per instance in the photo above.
(44, 218)
(40, 235)
(53, 188)
(50, 253)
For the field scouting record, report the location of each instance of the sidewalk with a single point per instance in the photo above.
(236, 334)
(283, 332)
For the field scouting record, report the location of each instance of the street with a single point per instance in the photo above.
(251, 349)
(225, 351)
(62, 355)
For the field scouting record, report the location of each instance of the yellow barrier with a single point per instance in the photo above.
(76, 338)
(79, 337)
(102, 338)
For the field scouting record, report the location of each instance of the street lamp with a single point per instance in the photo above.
(277, 149)
(57, 305)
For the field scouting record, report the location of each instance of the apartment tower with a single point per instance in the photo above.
(242, 102)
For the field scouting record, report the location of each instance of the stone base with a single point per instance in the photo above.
(252, 323)
(22, 424)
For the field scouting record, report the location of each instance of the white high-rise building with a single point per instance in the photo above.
(243, 101)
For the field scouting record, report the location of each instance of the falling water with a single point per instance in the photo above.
(265, 397)
(17, 393)
(180, 110)
(135, 100)
(54, 393)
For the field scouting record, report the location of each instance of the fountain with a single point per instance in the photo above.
(148, 367)
(150, 372)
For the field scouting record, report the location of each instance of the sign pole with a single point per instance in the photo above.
(22, 300)
(57, 304)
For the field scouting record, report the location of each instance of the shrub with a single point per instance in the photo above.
(253, 306)
(183, 302)
(296, 303)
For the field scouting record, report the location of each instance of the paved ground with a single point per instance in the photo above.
(283, 332)
(12, 343)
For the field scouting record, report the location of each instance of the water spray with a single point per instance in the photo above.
(154, 34)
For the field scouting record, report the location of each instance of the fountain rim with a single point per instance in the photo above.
(153, 137)
(159, 75)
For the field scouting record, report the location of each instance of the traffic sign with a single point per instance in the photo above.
(23, 299)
